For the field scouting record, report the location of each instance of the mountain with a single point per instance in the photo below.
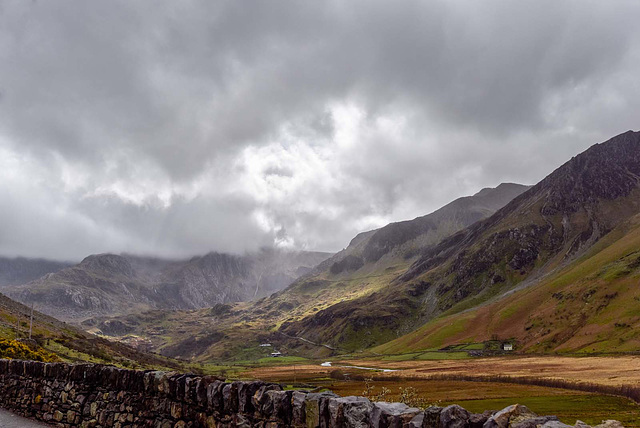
(369, 264)
(555, 269)
(109, 284)
(406, 239)
(537, 235)
(575, 250)
(20, 269)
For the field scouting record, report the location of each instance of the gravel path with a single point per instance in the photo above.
(9, 420)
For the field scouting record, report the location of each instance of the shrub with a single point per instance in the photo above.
(18, 350)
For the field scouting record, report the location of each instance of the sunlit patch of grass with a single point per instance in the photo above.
(286, 359)
(71, 355)
(443, 356)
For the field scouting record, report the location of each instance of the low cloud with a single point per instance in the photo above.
(187, 127)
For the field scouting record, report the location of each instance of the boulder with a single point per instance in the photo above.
(297, 408)
(214, 396)
(350, 412)
(509, 415)
(230, 397)
(246, 390)
(477, 420)
(432, 417)
(533, 422)
(392, 414)
(454, 416)
(554, 424)
(609, 424)
(316, 408)
(416, 422)
(278, 405)
(260, 396)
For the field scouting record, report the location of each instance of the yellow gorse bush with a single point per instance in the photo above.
(18, 350)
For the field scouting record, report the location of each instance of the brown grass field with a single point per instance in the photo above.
(601, 370)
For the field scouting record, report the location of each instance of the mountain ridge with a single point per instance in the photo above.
(110, 284)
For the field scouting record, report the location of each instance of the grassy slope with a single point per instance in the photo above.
(592, 305)
(69, 343)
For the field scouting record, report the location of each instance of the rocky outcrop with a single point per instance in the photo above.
(88, 395)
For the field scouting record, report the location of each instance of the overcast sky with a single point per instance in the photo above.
(177, 128)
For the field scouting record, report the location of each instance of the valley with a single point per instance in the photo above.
(548, 268)
(364, 270)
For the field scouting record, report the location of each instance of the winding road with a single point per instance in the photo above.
(9, 420)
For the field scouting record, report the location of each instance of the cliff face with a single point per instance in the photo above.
(109, 284)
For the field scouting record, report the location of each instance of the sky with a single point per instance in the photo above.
(178, 128)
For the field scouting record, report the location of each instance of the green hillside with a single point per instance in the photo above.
(591, 305)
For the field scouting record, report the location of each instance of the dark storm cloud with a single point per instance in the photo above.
(181, 127)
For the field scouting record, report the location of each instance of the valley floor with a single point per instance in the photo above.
(624, 370)
(568, 404)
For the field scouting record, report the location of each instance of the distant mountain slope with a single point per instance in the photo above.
(369, 264)
(108, 284)
(19, 270)
(536, 234)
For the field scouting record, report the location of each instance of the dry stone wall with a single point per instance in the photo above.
(88, 395)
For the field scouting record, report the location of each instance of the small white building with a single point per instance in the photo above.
(507, 346)
(265, 345)
(276, 354)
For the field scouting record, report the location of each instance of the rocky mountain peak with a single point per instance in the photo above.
(607, 170)
(110, 264)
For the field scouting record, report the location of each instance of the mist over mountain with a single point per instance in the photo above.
(227, 127)
(19, 270)
(109, 284)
